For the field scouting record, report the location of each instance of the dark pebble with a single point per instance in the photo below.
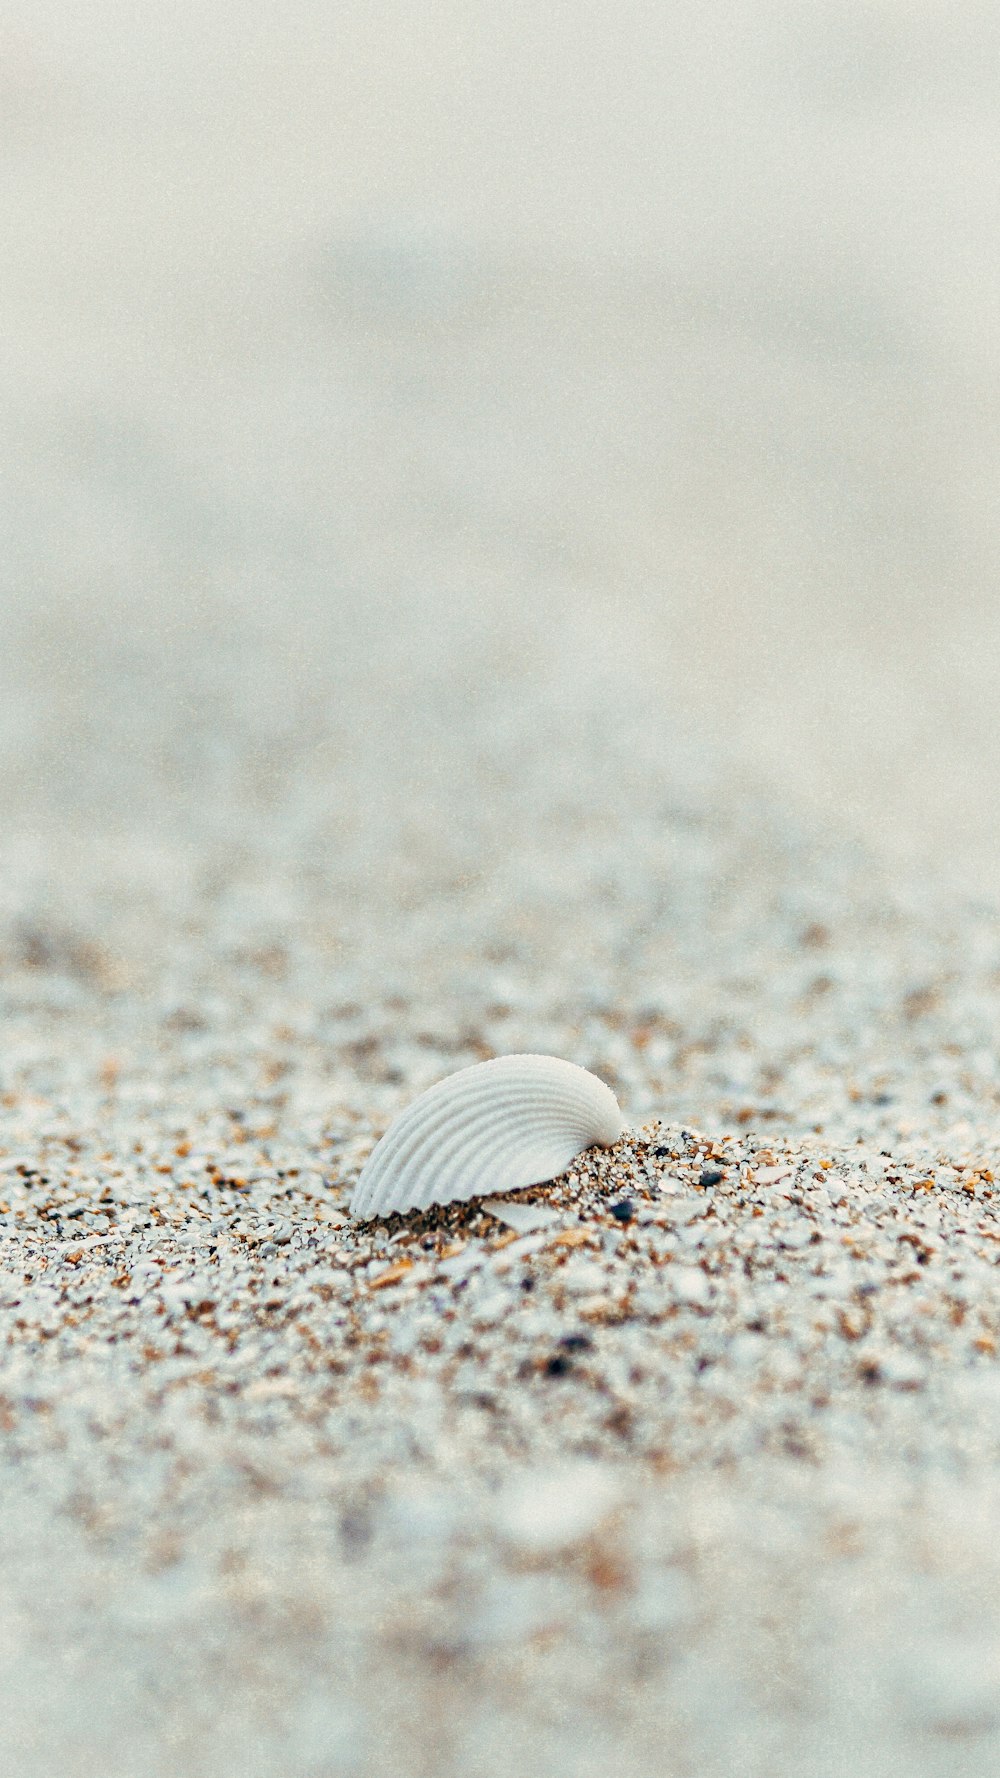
(623, 1211)
(658, 1153)
(356, 1529)
(558, 1366)
(576, 1342)
(711, 1176)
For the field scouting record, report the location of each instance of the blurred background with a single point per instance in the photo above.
(396, 395)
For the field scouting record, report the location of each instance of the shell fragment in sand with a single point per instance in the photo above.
(498, 1126)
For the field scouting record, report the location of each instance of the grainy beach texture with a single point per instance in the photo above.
(499, 549)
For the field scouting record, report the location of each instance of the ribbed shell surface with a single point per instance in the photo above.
(498, 1126)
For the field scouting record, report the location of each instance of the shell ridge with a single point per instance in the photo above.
(420, 1120)
(409, 1120)
(503, 1124)
(472, 1152)
(397, 1144)
(484, 1117)
(530, 1118)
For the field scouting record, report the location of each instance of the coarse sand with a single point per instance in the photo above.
(686, 1463)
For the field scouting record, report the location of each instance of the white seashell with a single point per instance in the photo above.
(498, 1126)
(524, 1218)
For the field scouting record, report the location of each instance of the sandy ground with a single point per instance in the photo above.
(499, 538)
